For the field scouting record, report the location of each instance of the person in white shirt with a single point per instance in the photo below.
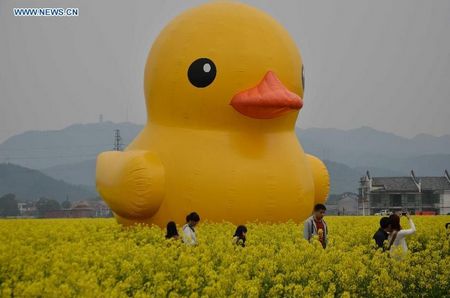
(189, 236)
(398, 235)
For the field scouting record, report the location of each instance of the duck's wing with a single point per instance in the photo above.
(321, 179)
(131, 182)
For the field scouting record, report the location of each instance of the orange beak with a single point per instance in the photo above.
(269, 99)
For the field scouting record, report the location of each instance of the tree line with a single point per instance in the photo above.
(9, 205)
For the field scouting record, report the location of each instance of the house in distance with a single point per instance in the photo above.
(418, 195)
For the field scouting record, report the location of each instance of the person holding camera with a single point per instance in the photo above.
(398, 235)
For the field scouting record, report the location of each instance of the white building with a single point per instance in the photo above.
(420, 195)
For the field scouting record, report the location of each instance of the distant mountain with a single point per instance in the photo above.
(80, 173)
(70, 153)
(361, 147)
(28, 184)
(425, 165)
(366, 140)
(342, 177)
(366, 147)
(73, 144)
(346, 179)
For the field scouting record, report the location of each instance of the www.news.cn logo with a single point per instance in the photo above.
(46, 12)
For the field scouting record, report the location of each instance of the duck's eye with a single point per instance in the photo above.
(202, 72)
(303, 78)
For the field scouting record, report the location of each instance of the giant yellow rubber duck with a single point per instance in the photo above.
(223, 87)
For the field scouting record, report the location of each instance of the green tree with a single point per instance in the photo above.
(8, 205)
(43, 205)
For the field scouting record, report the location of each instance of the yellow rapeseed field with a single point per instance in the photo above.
(97, 258)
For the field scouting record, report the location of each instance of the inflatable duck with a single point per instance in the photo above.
(223, 87)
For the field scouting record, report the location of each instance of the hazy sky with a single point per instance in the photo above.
(384, 64)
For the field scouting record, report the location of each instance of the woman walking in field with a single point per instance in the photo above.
(189, 236)
(172, 231)
(398, 235)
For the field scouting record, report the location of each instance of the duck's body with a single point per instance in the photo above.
(224, 150)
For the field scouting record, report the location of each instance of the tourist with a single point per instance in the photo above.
(172, 231)
(189, 236)
(383, 232)
(239, 236)
(398, 235)
(316, 225)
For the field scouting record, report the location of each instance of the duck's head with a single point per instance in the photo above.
(224, 65)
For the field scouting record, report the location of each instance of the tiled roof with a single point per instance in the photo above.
(407, 183)
(435, 183)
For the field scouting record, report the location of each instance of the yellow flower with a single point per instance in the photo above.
(98, 258)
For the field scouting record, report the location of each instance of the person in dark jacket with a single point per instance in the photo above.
(240, 235)
(383, 232)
